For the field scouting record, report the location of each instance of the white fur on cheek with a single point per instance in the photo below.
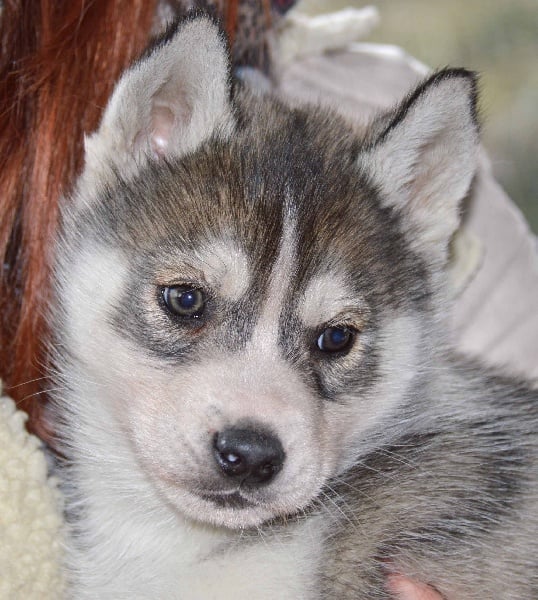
(399, 363)
(93, 285)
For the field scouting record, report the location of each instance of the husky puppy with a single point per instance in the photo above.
(257, 396)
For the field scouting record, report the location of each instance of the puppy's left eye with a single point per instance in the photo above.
(184, 301)
(335, 339)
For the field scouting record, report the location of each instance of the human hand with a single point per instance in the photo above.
(405, 588)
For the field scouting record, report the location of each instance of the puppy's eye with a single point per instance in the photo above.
(184, 301)
(335, 339)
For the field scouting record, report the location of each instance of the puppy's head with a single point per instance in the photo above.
(247, 293)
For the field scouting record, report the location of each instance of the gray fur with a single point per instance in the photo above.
(417, 461)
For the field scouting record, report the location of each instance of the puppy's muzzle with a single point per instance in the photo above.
(249, 456)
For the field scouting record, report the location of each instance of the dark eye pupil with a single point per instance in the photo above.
(188, 299)
(184, 301)
(335, 339)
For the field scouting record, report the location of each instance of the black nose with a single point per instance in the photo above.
(251, 456)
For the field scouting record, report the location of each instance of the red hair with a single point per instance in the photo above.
(58, 63)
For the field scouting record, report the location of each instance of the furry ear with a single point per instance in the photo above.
(175, 97)
(422, 157)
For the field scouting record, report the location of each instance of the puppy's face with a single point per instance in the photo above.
(245, 290)
(249, 333)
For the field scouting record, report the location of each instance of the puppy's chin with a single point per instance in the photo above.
(229, 510)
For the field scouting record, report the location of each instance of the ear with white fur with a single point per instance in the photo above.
(168, 103)
(423, 158)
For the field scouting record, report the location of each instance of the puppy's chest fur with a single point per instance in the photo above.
(168, 558)
(257, 398)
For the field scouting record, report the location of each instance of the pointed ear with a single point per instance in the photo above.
(422, 157)
(175, 97)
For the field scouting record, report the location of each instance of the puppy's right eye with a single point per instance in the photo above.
(184, 301)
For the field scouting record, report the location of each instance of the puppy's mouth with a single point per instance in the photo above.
(226, 499)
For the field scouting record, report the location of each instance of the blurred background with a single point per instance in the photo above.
(497, 38)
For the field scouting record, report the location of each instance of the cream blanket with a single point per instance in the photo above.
(30, 514)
